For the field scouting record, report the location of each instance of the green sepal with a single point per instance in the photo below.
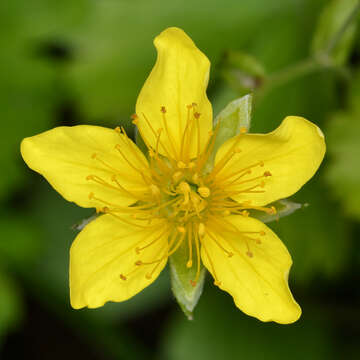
(82, 223)
(331, 41)
(185, 293)
(235, 116)
(283, 208)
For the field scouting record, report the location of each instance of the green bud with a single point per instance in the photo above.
(335, 32)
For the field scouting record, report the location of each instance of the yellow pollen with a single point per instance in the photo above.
(204, 191)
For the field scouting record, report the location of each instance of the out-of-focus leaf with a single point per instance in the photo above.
(343, 173)
(282, 207)
(11, 306)
(21, 242)
(186, 292)
(318, 246)
(331, 22)
(114, 58)
(221, 331)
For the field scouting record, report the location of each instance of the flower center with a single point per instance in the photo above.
(190, 200)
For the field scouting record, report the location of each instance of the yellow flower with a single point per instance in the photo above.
(153, 205)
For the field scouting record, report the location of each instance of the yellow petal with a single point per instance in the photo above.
(67, 156)
(178, 79)
(103, 256)
(256, 276)
(281, 162)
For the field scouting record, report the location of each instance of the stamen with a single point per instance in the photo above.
(204, 191)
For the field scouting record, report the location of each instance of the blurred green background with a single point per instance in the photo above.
(83, 62)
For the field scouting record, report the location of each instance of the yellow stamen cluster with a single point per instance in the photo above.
(194, 202)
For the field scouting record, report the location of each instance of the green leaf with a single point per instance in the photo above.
(222, 331)
(318, 248)
(335, 31)
(182, 277)
(283, 208)
(11, 306)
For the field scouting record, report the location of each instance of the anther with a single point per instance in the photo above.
(93, 156)
(261, 163)
(163, 109)
(177, 176)
(204, 191)
(195, 178)
(135, 119)
(273, 210)
(91, 196)
(262, 233)
(267, 173)
(226, 213)
(196, 115)
(243, 130)
(122, 277)
(201, 230)
(258, 241)
(245, 213)
(117, 129)
(217, 283)
(194, 104)
(189, 264)
(237, 150)
(148, 276)
(138, 263)
(89, 177)
(249, 254)
(262, 184)
(137, 250)
(105, 209)
(180, 229)
(193, 283)
(191, 165)
(189, 106)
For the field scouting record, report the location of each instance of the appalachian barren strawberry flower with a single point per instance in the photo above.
(174, 196)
